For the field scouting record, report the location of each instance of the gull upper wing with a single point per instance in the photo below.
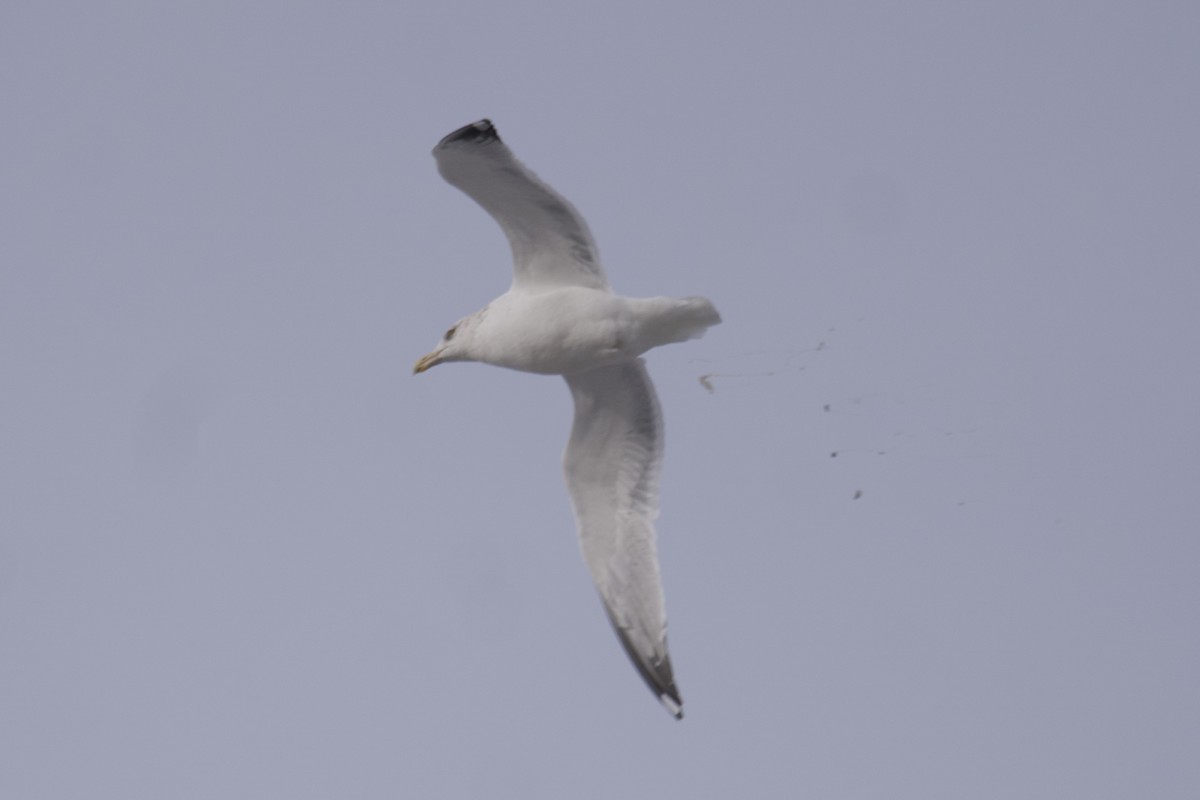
(612, 465)
(551, 244)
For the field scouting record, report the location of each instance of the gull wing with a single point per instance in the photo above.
(551, 244)
(612, 464)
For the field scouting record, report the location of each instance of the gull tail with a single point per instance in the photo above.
(671, 320)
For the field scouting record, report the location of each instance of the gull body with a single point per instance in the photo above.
(561, 318)
(569, 330)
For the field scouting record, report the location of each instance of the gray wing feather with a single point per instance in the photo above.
(612, 465)
(551, 244)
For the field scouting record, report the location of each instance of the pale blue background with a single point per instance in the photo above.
(244, 554)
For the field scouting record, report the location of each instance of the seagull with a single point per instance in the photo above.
(560, 317)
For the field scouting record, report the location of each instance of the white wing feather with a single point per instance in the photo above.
(612, 466)
(551, 244)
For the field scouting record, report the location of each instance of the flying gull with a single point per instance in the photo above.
(561, 318)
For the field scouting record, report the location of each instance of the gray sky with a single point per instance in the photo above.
(245, 554)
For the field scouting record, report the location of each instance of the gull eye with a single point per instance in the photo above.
(450, 333)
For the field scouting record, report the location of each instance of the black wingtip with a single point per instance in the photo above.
(480, 132)
(658, 675)
(673, 704)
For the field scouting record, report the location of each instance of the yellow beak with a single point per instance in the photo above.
(426, 361)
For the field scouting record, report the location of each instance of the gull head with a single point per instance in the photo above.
(452, 347)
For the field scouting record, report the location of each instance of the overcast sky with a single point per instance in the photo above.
(930, 531)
